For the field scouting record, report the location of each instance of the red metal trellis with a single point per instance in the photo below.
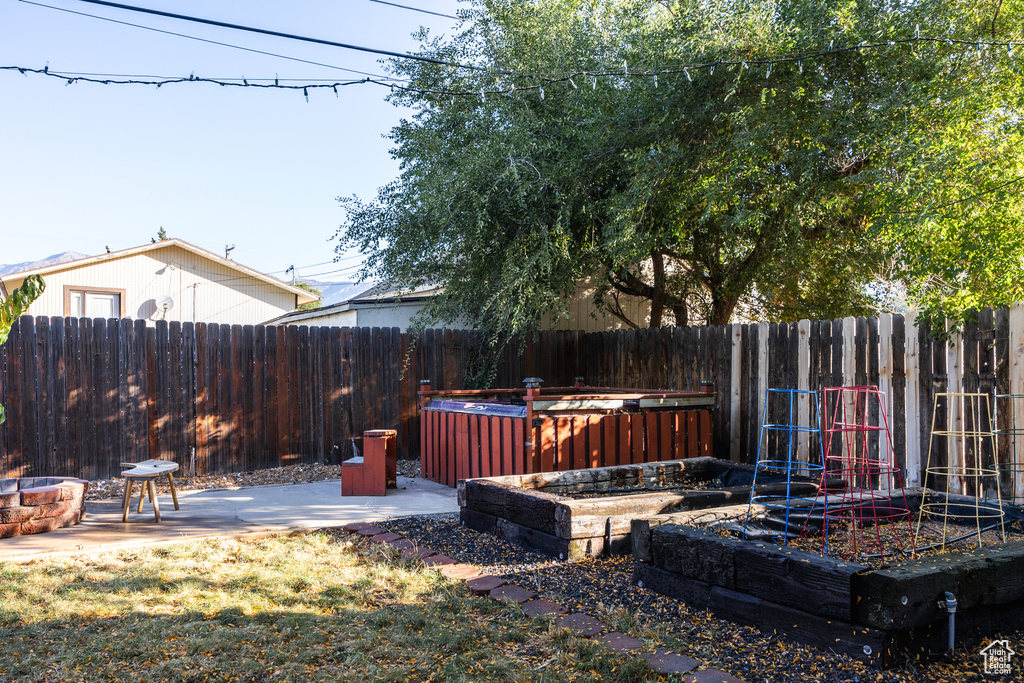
(871, 504)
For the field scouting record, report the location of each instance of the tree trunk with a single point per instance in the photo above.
(681, 313)
(722, 308)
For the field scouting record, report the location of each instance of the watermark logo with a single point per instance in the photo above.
(998, 656)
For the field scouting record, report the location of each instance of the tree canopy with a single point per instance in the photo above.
(778, 159)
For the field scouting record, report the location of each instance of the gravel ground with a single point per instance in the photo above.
(105, 489)
(602, 587)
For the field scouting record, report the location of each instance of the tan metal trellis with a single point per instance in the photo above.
(967, 433)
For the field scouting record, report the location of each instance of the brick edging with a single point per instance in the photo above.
(30, 506)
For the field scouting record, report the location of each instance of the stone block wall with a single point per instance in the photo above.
(32, 505)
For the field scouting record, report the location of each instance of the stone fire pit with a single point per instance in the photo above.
(32, 505)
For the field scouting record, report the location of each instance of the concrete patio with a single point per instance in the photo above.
(254, 511)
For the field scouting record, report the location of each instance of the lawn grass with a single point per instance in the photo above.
(313, 607)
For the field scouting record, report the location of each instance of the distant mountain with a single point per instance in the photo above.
(64, 257)
(336, 292)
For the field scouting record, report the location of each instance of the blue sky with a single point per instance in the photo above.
(87, 166)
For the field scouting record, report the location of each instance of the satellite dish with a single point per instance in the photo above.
(164, 303)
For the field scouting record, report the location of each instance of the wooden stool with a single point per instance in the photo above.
(370, 475)
(145, 472)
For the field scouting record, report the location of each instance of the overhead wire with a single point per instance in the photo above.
(348, 269)
(417, 9)
(211, 42)
(744, 63)
(538, 80)
(279, 34)
(323, 263)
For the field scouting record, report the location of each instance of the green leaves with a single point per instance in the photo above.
(807, 189)
(15, 305)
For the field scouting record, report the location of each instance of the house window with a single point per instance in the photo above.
(94, 302)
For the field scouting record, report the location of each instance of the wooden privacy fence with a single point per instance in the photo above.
(84, 395)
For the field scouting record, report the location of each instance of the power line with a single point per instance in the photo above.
(279, 34)
(348, 270)
(565, 78)
(205, 40)
(417, 9)
(324, 263)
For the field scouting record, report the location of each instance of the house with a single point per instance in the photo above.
(167, 280)
(382, 306)
(374, 306)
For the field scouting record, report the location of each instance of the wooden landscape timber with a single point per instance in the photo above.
(880, 616)
(538, 510)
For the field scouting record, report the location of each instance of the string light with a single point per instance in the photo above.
(389, 82)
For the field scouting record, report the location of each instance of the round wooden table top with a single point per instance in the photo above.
(150, 468)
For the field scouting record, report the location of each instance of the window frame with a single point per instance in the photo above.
(68, 289)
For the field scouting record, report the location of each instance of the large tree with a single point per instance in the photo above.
(780, 158)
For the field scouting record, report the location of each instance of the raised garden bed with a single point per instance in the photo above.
(32, 505)
(881, 616)
(564, 514)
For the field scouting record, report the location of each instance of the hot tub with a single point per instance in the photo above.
(469, 434)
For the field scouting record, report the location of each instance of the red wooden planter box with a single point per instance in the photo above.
(467, 434)
(370, 474)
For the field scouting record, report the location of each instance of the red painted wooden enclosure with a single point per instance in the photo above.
(466, 434)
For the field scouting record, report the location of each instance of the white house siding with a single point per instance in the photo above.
(203, 290)
(364, 315)
(339, 319)
(388, 315)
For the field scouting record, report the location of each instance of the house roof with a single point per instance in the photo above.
(304, 297)
(374, 296)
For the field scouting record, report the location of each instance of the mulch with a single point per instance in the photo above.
(603, 587)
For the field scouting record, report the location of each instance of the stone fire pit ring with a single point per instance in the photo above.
(32, 505)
